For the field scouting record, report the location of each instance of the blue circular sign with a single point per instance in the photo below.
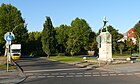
(9, 38)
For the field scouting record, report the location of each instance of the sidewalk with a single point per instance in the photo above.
(129, 67)
(13, 76)
(10, 78)
(124, 66)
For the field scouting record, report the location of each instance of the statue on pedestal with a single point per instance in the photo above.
(104, 24)
(105, 43)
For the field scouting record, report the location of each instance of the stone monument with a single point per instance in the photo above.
(105, 43)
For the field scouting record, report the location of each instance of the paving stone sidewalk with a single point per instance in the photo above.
(13, 76)
(129, 67)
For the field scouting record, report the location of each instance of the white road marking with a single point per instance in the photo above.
(56, 70)
(105, 75)
(70, 76)
(41, 76)
(29, 74)
(96, 75)
(129, 74)
(78, 75)
(137, 73)
(32, 77)
(121, 74)
(87, 75)
(3, 77)
(63, 73)
(60, 76)
(113, 74)
(37, 73)
(103, 72)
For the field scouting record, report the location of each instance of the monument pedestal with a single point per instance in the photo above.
(105, 45)
(105, 51)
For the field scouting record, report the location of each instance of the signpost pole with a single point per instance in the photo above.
(7, 64)
(8, 37)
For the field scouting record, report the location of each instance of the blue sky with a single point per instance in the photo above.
(121, 14)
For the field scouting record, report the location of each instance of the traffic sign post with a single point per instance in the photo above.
(9, 36)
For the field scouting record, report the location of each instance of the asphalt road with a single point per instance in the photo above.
(42, 71)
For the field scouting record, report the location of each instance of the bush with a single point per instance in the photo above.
(61, 54)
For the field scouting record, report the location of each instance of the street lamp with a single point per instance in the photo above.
(15, 28)
(9, 36)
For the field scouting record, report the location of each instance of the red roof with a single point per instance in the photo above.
(131, 33)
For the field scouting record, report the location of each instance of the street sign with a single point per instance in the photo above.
(9, 38)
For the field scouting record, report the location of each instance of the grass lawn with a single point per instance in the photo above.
(66, 58)
(121, 55)
(69, 58)
(4, 66)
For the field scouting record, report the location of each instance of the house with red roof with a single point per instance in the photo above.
(130, 34)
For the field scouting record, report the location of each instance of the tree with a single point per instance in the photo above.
(48, 37)
(137, 33)
(92, 43)
(34, 44)
(121, 46)
(130, 45)
(62, 37)
(78, 36)
(137, 29)
(115, 36)
(11, 20)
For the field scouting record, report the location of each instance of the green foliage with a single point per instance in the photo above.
(121, 46)
(130, 45)
(78, 36)
(137, 29)
(34, 44)
(137, 32)
(62, 37)
(61, 54)
(92, 43)
(48, 37)
(11, 20)
(115, 36)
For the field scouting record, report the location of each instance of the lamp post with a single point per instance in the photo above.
(16, 27)
(9, 36)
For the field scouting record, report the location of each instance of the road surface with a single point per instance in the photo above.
(42, 71)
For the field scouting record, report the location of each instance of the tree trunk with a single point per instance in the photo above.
(121, 51)
(48, 56)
